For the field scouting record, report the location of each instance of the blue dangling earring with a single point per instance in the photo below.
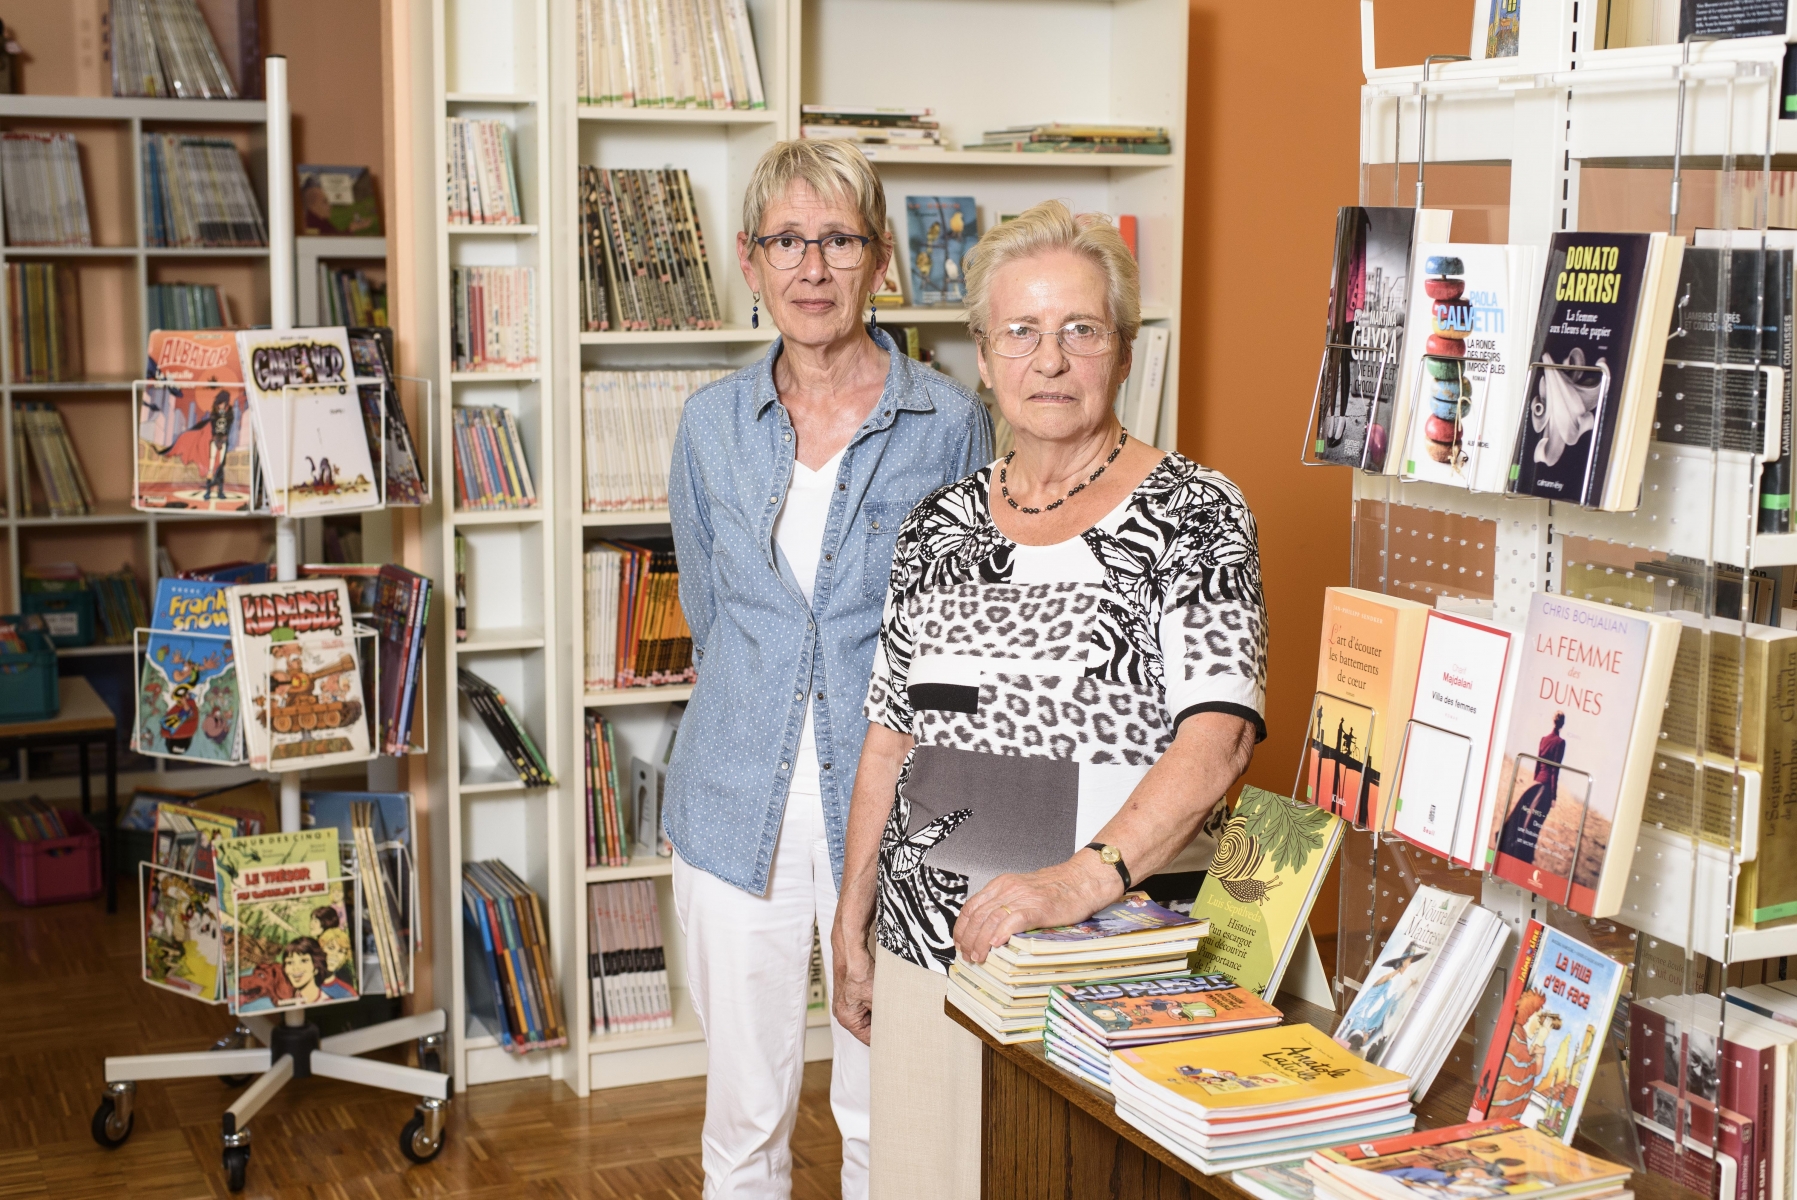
(873, 317)
(755, 312)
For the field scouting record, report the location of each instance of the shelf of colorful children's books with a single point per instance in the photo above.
(489, 98)
(492, 230)
(498, 516)
(620, 697)
(886, 156)
(490, 641)
(124, 108)
(106, 512)
(679, 116)
(641, 866)
(626, 517)
(677, 337)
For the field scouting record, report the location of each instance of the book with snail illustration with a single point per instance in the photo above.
(1423, 986)
(1271, 859)
(297, 666)
(1549, 1035)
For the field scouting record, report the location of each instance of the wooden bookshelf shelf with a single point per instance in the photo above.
(511, 98)
(498, 516)
(90, 385)
(642, 866)
(70, 252)
(884, 156)
(206, 251)
(494, 376)
(646, 516)
(106, 512)
(481, 784)
(97, 651)
(625, 697)
(680, 116)
(678, 337)
(493, 641)
(129, 108)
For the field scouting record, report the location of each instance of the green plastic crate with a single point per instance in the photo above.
(68, 615)
(28, 680)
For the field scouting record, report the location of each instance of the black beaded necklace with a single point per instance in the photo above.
(1005, 491)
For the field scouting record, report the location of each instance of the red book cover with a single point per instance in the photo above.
(1500, 1035)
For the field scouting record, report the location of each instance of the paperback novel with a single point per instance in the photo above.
(188, 699)
(296, 653)
(1366, 680)
(193, 436)
(1546, 1045)
(1385, 996)
(1488, 1159)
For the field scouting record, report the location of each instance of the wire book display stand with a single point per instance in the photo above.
(291, 1046)
(1691, 541)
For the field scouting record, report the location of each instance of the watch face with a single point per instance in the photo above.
(1110, 854)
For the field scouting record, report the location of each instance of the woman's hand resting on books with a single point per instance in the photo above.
(1059, 895)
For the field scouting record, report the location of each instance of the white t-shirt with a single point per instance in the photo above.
(799, 532)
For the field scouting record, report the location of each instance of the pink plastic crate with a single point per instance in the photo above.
(54, 871)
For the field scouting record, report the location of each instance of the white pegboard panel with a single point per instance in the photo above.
(1658, 899)
(1678, 492)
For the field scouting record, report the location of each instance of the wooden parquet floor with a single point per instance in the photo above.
(70, 995)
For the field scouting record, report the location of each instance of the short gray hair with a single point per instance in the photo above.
(1051, 225)
(834, 169)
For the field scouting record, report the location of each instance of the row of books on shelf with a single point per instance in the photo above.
(1497, 369)
(43, 313)
(313, 426)
(506, 728)
(1547, 754)
(666, 54)
(627, 962)
(642, 246)
(491, 468)
(510, 968)
(197, 193)
(166, 48)
(61, 592)
(350, 296)
(628, 421)
(493, 318)
(483, 177)
(636, 631)
(900, 128)
(624, 802)
(47, 457)
(195, 306)
(46, 204)
(266, 921)
(274, 674)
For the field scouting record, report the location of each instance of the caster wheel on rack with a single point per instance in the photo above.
(108, 1130)
(416, 1144)
(237, 1162)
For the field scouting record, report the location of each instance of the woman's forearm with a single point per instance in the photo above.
(1176, 797)
(882, 755)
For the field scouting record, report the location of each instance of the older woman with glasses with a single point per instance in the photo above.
(789, 481)
(1071, 672)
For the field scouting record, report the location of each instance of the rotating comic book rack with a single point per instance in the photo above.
(291, 1045)
(1552, 113)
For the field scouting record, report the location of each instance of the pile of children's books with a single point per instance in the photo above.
(1483, 1158)
(1134, 938)
(1256, 1096)
(377, 827)
(510, 971)
(32, 819)
(1086, 1021)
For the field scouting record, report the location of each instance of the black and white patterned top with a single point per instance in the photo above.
(1041, 682)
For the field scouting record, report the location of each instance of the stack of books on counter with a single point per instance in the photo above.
(1483, 1158)
(1135, 938)
(1053, 137)
(904, 128)
(1087, 1021)
(1257, 1096)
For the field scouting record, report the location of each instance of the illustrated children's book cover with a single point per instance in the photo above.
(1549, 1038)
(328, 468)
(1578, 750)
(193, 434)
(389, 437)
(1282, 1068)
(1127, 1010)
(296, 656)
(1503, 29)
(287, 941)
(1488, 1159)
(942, 229)
(1134, 920)
(275, 361)
(1271, 858)
(188, 699)
(183, 938)
(1372, 1021)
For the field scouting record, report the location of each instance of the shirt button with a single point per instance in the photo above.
(786, 437)
(783, 766)
(826, 766)
(842, 487)
(773, 499)
(829, 558)
(798, 695)
(820, 695)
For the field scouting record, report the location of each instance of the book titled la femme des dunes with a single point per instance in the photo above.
(1579, 749)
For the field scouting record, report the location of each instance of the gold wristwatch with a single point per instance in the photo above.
(1113, 856)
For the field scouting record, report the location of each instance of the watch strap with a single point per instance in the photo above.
(1099, 848)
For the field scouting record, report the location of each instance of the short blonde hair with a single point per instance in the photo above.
(832, 168)
(1051, 225)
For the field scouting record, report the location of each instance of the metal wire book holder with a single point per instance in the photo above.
(292, 1047)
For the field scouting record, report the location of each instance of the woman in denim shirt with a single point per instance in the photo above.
(788, 484)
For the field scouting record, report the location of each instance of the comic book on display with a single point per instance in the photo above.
(1489, 1159)
(942, 229)
(297, 659)
(389, 437)
(273, 362)
(402, 606)
(379, 826)
(287, 937)
(182, 925)
(188, 698)
(1549, 1036)
(193, 435)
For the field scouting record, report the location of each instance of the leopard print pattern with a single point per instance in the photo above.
(1069, 716)
(1043, 621)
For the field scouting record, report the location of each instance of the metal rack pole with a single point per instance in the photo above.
(280, 281)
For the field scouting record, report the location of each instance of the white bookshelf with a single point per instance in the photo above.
(110, 131)
(309, 252)
(514, 60)
(489, 61)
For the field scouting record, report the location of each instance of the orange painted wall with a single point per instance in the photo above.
(1272, 124)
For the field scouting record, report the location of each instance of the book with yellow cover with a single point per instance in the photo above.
(1366, 680)
(1257, 1072)
(1484, 1158)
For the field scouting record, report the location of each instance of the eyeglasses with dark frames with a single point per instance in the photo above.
(784, 251)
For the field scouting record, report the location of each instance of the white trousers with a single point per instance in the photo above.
(748, 963)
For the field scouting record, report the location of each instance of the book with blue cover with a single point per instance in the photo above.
(188, 701)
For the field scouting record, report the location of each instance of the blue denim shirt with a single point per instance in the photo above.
(760, 649)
